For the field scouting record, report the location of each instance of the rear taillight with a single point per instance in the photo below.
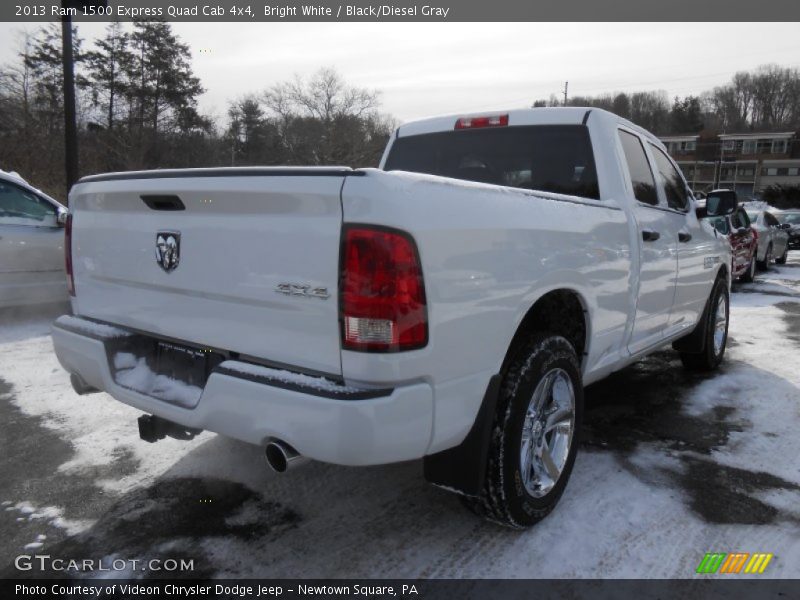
(481, 122)
(68, 255)
(382, 294)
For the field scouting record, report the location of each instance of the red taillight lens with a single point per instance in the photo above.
(382, 294)
(480, 122)
(68, 255)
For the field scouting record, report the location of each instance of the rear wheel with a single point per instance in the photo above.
(714, 335)
(767, 262)
(535, 434)
(749, 275)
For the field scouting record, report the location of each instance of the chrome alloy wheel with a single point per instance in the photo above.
(720, 324)
(547, 433)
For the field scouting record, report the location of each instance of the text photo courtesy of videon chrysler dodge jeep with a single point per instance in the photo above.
(416, 300)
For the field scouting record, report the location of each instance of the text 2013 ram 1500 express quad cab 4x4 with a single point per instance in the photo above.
(448, 306)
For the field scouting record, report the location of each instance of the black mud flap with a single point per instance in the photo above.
(462, 469)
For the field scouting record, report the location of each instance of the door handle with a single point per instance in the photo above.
(648, 235)
(684, 236)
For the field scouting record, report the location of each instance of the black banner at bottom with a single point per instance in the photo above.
(378, 589)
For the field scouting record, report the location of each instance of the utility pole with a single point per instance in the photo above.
(566, 87)
(70, 127)
(68, 70)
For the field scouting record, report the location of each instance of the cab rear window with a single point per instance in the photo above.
(550, 158)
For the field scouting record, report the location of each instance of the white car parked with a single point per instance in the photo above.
(31, 244)
(449, 306)
(773, 238)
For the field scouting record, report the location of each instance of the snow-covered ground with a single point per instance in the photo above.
(672, 465)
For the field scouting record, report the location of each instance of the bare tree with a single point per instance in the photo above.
(325, 96)
(314, 117)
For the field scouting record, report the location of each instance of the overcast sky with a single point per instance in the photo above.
(428, 68)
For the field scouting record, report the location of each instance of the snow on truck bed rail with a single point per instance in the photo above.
(97, 329)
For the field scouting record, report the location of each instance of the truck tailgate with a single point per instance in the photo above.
(255, 263)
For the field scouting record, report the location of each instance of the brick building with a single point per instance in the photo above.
(745, 162)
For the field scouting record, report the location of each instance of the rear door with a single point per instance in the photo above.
(245, 261)
(780, 237)
(657, 246)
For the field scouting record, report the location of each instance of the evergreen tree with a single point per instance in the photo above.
(44, 63)
(107, 68)
(161, 79)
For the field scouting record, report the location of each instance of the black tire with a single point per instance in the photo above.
(749, 275)
(708, 358)
(764, 264)
(505, 498)
(782, 259)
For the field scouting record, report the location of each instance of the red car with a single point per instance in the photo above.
(743, 238)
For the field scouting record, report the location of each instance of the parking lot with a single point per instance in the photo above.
(672, 465)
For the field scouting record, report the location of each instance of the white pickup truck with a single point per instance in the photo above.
(448, 306)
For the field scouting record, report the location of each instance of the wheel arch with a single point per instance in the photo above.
(559, 310)
(563, 311)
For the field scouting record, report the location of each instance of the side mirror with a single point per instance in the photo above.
(61, 217)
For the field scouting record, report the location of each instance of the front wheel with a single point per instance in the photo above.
(535, 434)
(749, 275)
(781, 260)
(714, 335)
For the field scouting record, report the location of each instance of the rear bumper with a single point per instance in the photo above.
(364, 429)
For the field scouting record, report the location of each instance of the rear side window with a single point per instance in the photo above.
(550, 158)
(18, 206)
(644, 185)
(674, 186)
(741, 219)
(720, 224)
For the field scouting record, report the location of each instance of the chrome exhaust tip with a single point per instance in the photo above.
(281, 457)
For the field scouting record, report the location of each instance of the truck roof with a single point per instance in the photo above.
(551, 115)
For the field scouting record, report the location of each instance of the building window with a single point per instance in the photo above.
(728, 145)
(746, 172)
(794, 171)
(764, 146)
(779, 147)
(749, 147)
